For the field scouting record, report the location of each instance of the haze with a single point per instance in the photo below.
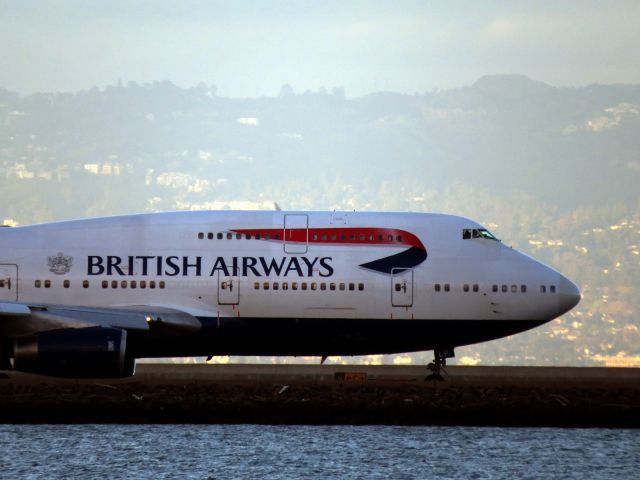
(523, 116)
(253, 48)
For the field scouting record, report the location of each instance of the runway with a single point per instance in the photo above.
(329, 394)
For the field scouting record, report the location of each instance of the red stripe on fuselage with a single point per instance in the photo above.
(337, 236)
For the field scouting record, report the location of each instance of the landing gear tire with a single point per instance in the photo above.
(438, 364)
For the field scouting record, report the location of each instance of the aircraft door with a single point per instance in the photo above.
(401, 287)
(228, 290)
(9, 282)
(296, 233)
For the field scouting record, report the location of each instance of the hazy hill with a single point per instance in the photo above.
(567, 146)
(553, 171)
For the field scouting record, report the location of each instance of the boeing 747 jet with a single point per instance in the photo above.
(86, 298)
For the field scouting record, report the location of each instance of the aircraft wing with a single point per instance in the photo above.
(22, 319)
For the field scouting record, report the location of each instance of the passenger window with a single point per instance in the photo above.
(114, 284)
(256, 285)
(37, 283)
(475, 287)
(201, 235)
(210, 236)
(399, 238)
(267, 236)
(323, 286)
(133, 284)
(219, 235)
(494, 288)
(66, 283)
(333, 237)
(523, 288)
(437, 287)
(514, 288)
(285, 286)
(143, 284)
(304, 285)
(504, 288)
(314, 286)
(361, 286)
(380, 237)
(123, 284)
(294, 285)
(161, 284)
(352, 236)
(276, 236)
(265, 285)
(47, 284)
(466, 287)
(238, 236)
(247, 236)
(343, 236)
(341, 286)
(229, 236)
(352, 286)
(105, 284)
(362, 237)
(152, 284)
(276, 285)
(371, 237)
(332, 286)
(446, 287)
(543, 289)
(390, 238)
(553, 289)
(314, 236)
(323, 237)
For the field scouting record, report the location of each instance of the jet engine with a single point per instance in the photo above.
(94, 352)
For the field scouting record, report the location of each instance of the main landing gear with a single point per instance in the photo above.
(439, 361)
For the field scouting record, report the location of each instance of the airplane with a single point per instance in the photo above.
(86, 298)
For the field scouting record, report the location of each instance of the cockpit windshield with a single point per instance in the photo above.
(469, 233)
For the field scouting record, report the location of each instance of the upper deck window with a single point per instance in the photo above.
(468, 233)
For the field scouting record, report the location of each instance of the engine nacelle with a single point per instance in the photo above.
(93, 352)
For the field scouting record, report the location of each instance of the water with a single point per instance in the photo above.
(283, 452)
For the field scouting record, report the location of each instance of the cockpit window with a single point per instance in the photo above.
(469, 233)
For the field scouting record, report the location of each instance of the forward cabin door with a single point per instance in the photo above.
(402, 287)
(9, 282)
(296, 233)
(228, 290)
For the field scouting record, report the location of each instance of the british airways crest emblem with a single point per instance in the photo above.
(60, 263)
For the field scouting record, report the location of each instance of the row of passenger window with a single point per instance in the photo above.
(363, 237)
(334, 237)
(237, 236)
(341, 286)
(494, 288)
(105, 284)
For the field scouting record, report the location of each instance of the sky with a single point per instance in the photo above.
(252, 48)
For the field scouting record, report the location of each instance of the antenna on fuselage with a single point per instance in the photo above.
(277, 207)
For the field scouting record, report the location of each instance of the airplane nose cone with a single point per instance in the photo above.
(569, 295)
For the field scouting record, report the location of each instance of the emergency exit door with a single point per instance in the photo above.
(9, 282)
(402, 287)
(228, 290)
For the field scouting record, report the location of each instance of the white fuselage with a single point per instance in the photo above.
(221, 265)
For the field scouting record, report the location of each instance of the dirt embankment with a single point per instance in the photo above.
(501, 396)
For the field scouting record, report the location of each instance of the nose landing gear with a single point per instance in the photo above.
(439, 361)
